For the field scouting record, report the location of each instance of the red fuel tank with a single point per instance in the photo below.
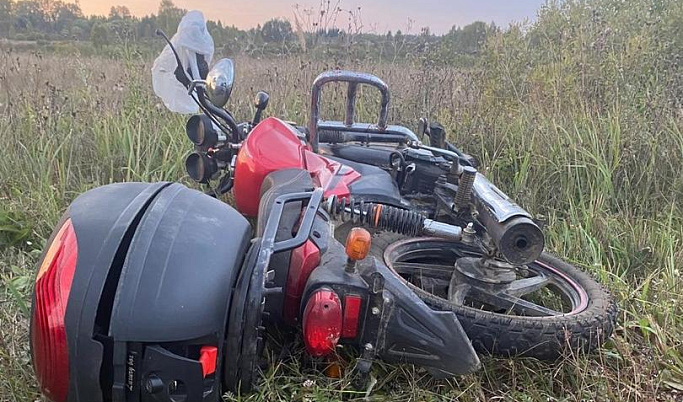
(274, 145)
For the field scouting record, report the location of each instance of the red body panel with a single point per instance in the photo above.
(274, 145)
(304, 260)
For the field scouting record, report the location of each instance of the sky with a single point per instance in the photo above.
(378, 16)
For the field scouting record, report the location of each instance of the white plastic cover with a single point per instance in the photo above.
(191, 38)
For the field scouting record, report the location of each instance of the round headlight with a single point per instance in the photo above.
(201, 132)
(200, 167)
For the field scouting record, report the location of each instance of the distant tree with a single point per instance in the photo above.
(473, 36)
(119, 13)
(216, 30)
(233, 40)
(6, 17)
(169, 16)
(64, 15)
(145, 27)
(316, 31)
(467, 40)
(99, 35)
(29, 16)
(5, 10)
(330, 33)
(276, 30)
(81, 29)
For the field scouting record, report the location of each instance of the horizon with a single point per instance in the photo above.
(378, 16)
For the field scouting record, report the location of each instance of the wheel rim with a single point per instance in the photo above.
(539, 289)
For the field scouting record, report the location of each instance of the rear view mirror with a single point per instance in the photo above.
(219, 82)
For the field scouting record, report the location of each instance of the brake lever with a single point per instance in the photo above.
(193, 84)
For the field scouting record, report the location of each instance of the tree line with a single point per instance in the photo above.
(56, 20)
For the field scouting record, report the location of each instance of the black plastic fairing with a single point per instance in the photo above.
(167, 376)
(397, 324)
(102, 219)
(412, 332)
(242, 356)
(374, 185)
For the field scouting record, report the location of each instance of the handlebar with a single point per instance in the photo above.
(220, 112)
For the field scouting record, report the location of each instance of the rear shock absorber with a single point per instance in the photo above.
(388, 218)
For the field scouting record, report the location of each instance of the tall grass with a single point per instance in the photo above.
(577, 116)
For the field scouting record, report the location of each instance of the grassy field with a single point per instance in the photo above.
(578, 117)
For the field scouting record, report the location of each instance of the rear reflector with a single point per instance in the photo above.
(48, 334)
(208, 356)
(322, 322)
(351, 316)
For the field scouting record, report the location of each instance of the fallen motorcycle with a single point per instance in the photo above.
(353, 235)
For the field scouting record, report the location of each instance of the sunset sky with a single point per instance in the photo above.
(378, 15)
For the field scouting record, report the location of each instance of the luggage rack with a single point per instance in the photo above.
(361, 131)
(245, 328)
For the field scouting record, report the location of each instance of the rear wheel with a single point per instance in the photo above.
(543, 310)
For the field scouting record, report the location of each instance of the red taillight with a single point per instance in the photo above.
(351, 316)
(48, 334)
(322, 322)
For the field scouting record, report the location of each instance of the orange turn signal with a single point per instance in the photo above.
(358, 244)
(334, 370)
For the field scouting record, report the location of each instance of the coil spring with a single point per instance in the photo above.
(375, 215)
(462, 196)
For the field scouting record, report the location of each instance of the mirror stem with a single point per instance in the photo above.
(257, 117)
